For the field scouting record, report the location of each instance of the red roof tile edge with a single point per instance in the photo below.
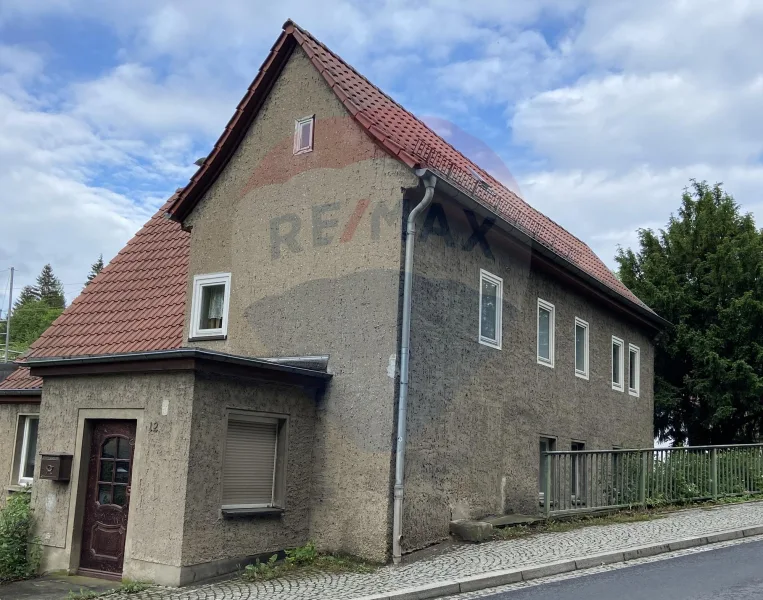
(20, 380)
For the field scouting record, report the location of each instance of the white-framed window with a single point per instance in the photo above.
(581, 348)
(253, 462)
(303, 134)
(209, 306)
(617, 364)
(491, 309)
(546, 320)
(634, 369)
(28, 426)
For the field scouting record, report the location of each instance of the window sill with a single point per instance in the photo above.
(207, 338)
(633, 393)
(581, 375)
(271, 511)
(545, 363)
(12, 489)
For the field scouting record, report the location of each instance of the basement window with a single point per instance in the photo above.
(26, 448)
(546, 319)
(491, 306)
(303, 135)
(209, 306)
(254, 465)
(634, 369)
(617, 364)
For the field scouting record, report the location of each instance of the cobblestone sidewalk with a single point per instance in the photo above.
(469, 560)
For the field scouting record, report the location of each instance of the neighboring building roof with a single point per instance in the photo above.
(20, 380)
(137, 303)
(402, 135)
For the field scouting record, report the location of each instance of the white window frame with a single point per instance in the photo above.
(544, 305)
(616, 341)
(199, 283)
(298, 125)
(632, 349)
(584, 324)
(498, 282)
(25, 448)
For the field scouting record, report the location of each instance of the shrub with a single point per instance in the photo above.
(19, 552)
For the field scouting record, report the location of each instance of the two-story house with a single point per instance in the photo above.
(272, 359)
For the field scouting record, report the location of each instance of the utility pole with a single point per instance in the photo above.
(8, 318)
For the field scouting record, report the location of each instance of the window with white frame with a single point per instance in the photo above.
(303, 134)
(634, 369)
(253, 462)
(209, 306)
(27, 457)
(491, 306)
(545, 333)
(581, 348)
(617, 364)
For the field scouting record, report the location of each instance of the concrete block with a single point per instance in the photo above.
(471, 531)
(563, 566)
(597, 560)
(751, 531)
(725, 536)
(488, 580)
(644, 551)
(434, 590)
(687, 543)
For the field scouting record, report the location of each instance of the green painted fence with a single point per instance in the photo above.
(592, 480)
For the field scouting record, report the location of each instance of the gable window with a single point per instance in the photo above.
(491, 305)
(581, 348)
(545, 333)
(617, 364)
(209, 306)
(634, 369)
(303, 134)
(26, 445)
(254, 462)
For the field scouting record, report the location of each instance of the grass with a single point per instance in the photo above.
(302, 561)
(127, 587)
(623, 516)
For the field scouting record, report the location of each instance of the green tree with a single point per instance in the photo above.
(50, 289)
(35, 309)
(704, 273)
(96, 268)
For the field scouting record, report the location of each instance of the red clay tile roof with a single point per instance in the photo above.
(402, 135)
(20, 379)
(137, 303)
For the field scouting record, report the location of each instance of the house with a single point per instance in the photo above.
(232, 383)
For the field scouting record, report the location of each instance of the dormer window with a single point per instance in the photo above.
(209, 306)
(303, 135)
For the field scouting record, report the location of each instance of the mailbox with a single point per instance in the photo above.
(56, 466)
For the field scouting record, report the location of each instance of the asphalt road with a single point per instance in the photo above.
(732, 573)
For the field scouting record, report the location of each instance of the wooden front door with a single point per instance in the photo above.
(107, 499)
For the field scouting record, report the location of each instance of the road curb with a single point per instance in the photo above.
(497, 578)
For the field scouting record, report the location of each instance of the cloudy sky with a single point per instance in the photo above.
(602, 110)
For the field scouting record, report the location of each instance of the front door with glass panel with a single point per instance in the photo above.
(108, 497)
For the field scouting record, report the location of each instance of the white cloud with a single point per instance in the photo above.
(605, 208)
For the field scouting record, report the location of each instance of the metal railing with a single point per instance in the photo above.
(591, 480)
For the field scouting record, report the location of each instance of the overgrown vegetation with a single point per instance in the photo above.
(298, 561)
(19, 551)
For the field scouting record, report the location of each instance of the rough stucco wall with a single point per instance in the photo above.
(208, 536)
(9, 418)
(155, 526)
(332, 287)
(476, 413)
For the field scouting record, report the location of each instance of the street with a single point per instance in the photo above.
(732, 573)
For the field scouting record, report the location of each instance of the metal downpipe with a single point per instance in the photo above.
(402, 409)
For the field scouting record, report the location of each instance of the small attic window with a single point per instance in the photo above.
(303, 135)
